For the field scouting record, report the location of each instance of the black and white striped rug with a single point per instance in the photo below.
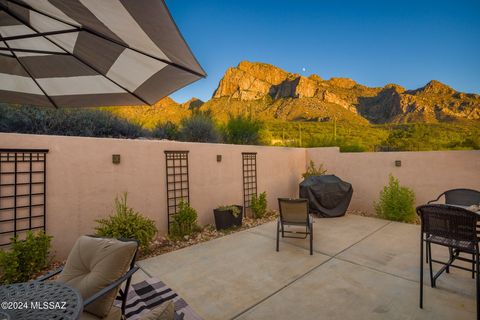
(149, 294)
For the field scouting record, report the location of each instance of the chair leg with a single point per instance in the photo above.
(421, 271)
(432, 280)
(473, 266)
(450, 252)
(477, 264)
(426, 253)
(125, 296)
(311, 239)
(278, 234)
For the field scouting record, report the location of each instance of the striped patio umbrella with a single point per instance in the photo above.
(91, 53)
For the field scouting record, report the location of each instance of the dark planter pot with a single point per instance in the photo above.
(225, 219)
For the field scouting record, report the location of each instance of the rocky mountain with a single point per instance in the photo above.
(270, 92)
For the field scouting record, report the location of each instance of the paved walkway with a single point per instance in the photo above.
(362, 268)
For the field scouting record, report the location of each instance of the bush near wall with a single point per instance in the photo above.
(312, 170)
(127, 223)
(184, 222)
(259, 205)
(25, 258)
(396, 202)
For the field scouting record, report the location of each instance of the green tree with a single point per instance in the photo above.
(243, 130)
(199, 127)
(166, 130)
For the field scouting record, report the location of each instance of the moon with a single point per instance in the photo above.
(304, 69)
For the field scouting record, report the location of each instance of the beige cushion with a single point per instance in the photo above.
(115, 314)
(93, 264)
(165, 311)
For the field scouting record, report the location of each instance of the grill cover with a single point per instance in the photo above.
(328, 195)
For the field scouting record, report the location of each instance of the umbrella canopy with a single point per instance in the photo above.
(91, 53)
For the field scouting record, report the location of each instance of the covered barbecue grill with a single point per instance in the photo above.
(328, 195)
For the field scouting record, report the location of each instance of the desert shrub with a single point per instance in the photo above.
(312, 170)
(472, 142)
(165, 130)
(184, 222)
(259, 205)
(25, 258)
(243, 130)
(200, 127)
(127, 223)
(66, 122)
(352, 148)
(396, 202)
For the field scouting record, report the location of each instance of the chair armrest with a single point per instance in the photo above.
(110, 287)
(438, 198)
(49, 275)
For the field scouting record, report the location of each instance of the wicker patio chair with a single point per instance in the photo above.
(97, 267)
(451, 227)
(294, 212)
(459, 197)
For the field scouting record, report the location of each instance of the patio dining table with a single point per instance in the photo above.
(40, 300)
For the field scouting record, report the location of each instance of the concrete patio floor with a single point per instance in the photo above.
(362, 268)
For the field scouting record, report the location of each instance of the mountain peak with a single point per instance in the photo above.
(436, 87)
(250, 81)
(397, 88)
(166, 102)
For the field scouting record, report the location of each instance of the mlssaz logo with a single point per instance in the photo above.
(37, 305)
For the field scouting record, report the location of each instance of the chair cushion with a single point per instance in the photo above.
(93, 264)
(166, 311)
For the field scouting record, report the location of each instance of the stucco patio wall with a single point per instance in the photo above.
(427, 173)
(82, 181)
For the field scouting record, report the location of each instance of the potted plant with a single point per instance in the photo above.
(228, 216)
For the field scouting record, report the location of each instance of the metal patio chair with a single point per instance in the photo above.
(459, 197)
(97, 267)
(294, 212)
(451, 227)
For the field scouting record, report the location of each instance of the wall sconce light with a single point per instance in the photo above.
(398, 163)
(115, 158)
(219, 158)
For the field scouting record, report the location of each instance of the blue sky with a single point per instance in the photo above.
(372, 42)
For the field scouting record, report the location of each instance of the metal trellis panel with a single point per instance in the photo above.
(249, 160)
(22, 192)
(177, 181)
